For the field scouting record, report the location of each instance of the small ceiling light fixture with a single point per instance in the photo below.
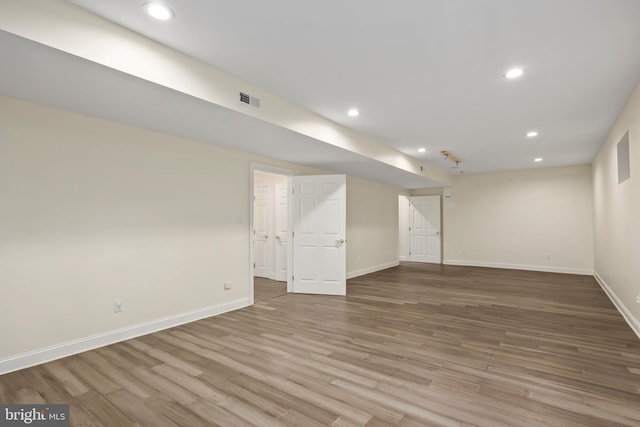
(448, 156)
(514, 73)
(354, 112)
(532, 134)
(537, 159)
(158, 11)
(422, 150)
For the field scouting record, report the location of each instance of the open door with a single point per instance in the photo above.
(319, 229)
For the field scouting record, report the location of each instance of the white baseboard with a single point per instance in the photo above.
(544, 268)
(404, 258)
(47, 354)
(633, 322)
(373, 269)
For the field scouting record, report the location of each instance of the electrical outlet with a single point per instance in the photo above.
(638, 298)
(227, 286)
(117, 306)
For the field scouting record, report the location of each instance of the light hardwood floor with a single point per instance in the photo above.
(415, 345)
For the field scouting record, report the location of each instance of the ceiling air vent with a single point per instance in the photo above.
(249, 100)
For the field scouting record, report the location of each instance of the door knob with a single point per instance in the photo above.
(339, 243)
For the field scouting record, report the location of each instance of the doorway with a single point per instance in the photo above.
(420, 229)
(317, 214)
(269, 228)
(270, 232)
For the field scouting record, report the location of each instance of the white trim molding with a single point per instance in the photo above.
(633, 322)
(373, 269)
(58, 351)
(543, 268)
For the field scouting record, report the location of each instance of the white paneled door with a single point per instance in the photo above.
(424, 231)
(281, 231)
(319, 230)
(403, 228)
(262, 219)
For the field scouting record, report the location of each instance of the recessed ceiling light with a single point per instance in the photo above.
(537, 159)
(158, 11)
(532, 134)
(353, 112)
(422, 150)
(514, 73)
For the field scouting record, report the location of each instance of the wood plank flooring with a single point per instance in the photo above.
(415, 345)
(267, 289)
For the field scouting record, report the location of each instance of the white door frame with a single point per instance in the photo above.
(258, 167)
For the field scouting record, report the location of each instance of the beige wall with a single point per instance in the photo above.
(372, 226)
(426, 192)
(617, 216)
(514, 219)
(94, 211)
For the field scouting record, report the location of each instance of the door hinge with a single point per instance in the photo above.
(409, 229)
(293, 278)
(409, 254)
(293, 234)
(254, 265)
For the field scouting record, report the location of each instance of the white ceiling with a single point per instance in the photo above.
(424, 73)
(47, 76)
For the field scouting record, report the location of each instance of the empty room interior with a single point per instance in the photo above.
(355, 213)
